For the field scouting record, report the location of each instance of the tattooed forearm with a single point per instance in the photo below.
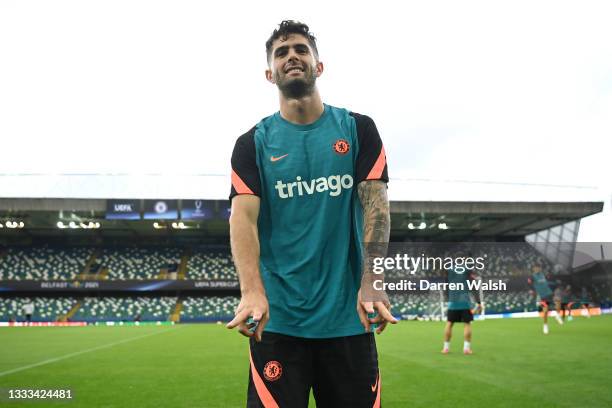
(376, 217)
(376, 227)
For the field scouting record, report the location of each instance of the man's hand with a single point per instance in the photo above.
(252, 313)
(255, 306)
(382, 318)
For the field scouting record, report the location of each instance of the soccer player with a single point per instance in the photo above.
(309, 187)
(459, 309)
(28, 310)
(543, 291)
(567, 303)
(558, 301)
(585, 301)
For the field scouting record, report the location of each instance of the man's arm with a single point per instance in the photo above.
(377, 225)
(478, 309)
(245, 250)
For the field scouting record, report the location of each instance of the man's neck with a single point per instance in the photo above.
(303, 111)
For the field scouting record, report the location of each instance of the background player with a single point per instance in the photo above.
(567, 303)
(558, 296)
(544, 293)
(28, 310)
(459, 309)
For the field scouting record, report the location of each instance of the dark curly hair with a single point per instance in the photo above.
(287, 27)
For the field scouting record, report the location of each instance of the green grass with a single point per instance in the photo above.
(513, 364)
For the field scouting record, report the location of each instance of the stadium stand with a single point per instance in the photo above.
(513, 262)
(117, 309)
(211, 265)
(422, 305)
(210, 308)
(121, 263)
(45, 309)
(43, 262)
(125, 309)
(428, 305)
(511, 302)
(502, 260)
(137, 262)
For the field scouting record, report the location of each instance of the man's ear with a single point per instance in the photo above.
(319, 69)
(269, 76)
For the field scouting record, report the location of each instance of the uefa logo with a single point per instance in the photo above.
(198, 207)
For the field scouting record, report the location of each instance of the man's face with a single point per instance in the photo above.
(293, 66)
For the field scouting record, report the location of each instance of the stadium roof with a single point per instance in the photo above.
(415, 220)
(216, 186)
(603, 267)
(483, 220)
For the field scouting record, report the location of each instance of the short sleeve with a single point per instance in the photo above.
(371, 159)
(245, 174)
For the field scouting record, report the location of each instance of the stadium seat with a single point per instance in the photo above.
(127, 263)
(125, 309)
(43, 262)
(211, 265)
(209, 308)
(46, 309)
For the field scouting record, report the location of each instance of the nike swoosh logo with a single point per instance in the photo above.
(375, 385)
(273, 159)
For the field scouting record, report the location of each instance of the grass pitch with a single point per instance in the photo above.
(513, 364)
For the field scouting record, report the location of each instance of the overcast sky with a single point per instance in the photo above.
(511, 92)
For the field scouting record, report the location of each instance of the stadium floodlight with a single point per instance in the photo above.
(60, 225)
(442, 226)
(422, 225)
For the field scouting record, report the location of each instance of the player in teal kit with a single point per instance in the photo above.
(308, 189)
(459, 308)
(544, 292)
(567, 303)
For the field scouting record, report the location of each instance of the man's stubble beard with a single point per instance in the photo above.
(299, 87)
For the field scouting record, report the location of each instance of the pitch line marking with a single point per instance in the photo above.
(56, 359)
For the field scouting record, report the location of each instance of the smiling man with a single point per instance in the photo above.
(308, 189)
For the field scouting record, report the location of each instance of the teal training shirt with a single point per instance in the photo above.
(541, 286)
(310, 221)
(459, 298)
